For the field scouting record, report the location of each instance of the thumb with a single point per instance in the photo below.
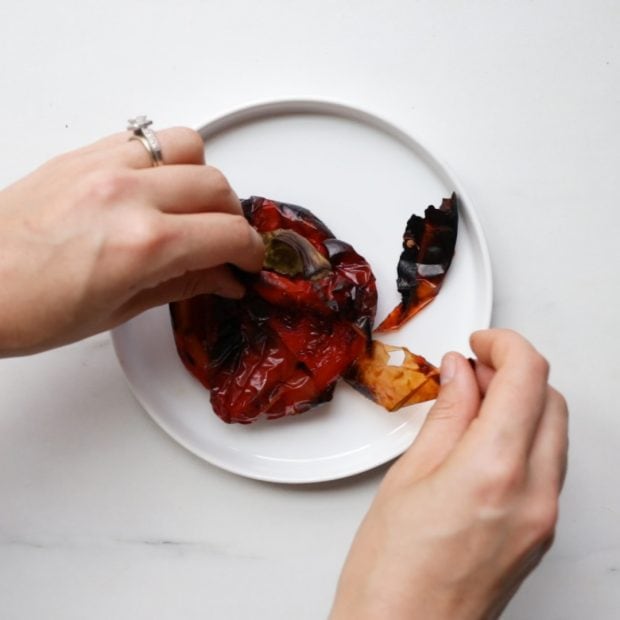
(456, 406)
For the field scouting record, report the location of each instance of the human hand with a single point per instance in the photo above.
(96, 236)
(469, 510)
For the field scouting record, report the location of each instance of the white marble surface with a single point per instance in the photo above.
(101, 515)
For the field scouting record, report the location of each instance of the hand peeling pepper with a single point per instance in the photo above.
(307, 317)
(428, 248)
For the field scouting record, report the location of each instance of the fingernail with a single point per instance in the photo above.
(448, 368)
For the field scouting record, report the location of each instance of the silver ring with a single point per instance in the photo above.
(140, 125)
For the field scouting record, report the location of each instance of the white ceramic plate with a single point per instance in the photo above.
(363, 177)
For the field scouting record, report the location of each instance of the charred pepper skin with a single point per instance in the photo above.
(281, 349)
(428, 249)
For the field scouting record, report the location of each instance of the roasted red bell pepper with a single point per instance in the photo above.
(305, 318)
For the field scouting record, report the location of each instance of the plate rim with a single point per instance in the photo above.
(263, 109)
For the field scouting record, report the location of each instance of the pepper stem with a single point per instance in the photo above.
(290, 254)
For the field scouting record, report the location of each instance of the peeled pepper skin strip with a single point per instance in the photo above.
(281, 349)
(413, 381)
(428, 249)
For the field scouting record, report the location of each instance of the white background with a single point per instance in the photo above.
(101, 514)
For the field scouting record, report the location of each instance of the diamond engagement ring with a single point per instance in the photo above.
(140, 125)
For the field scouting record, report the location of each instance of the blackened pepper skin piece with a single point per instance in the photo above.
(428, 249)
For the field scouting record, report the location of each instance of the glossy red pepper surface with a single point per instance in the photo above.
(281, 349)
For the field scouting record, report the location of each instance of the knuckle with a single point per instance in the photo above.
(511, 342)
(219, 184)
(541, 520)
(192, 142)
(508, 334)
(505, 337)
(146, 234)
(109, 186)
(500, 481)
(135, 247)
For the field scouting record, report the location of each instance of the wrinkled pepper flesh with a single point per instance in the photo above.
(305, 318)
(428, 249)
